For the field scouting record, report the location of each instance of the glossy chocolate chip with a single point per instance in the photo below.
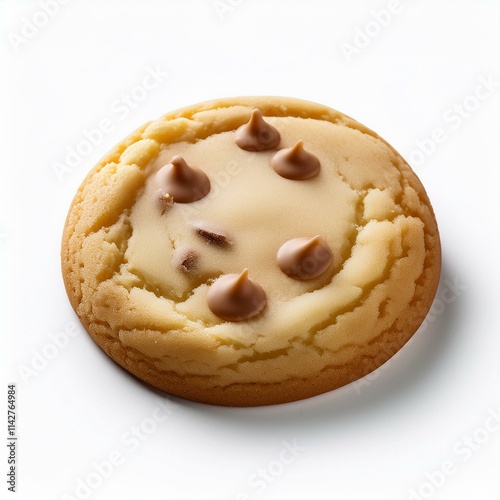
(184, 183)
(257, 134)
(304, 258)
(295, 163)
(235, 297)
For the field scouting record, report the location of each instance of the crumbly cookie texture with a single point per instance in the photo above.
(138, 266)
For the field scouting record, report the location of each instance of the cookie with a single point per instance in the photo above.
(251, 251)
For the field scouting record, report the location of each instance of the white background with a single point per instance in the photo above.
(382, 438)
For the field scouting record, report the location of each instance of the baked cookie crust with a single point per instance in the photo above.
(312, 337)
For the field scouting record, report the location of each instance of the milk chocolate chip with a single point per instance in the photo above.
(304, 258)
(212, 234)
(257, 135)
(234, 297)
(182, 182)
(295, 163)
(185, 259)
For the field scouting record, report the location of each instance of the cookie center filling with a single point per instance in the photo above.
(249, 213)
(252, 213)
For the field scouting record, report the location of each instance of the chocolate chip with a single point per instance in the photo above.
(212, 235)
(295, 163)
(235, 297)
(183, 182)
(257, 134)
(186, 259)
(304, 258)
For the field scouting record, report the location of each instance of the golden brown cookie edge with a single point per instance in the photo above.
(256, 394)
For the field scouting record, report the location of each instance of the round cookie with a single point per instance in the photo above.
(301, 252)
